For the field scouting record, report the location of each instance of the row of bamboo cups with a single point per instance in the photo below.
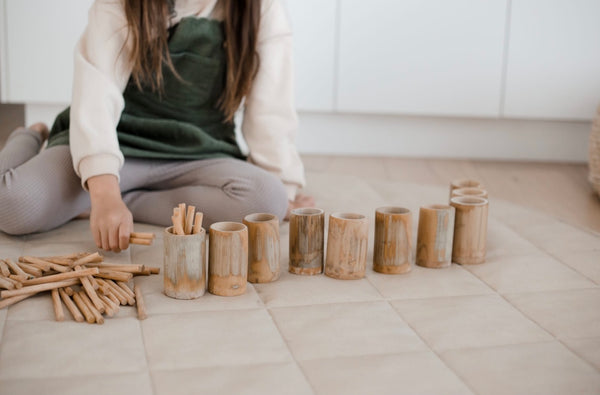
(250, 251)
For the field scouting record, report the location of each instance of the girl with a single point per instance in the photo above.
(157, 84)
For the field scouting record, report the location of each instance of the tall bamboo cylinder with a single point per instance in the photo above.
(465, 183)
(477, 192)
(307, 227)
(227, 259)
(434, 236)
(347, 243)
(263, 247)
(184, 264)
(392, 252)
(470, 229)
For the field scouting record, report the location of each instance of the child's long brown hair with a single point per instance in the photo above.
(148, 20)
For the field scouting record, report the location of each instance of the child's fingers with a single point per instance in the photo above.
(113, 238)
(104, 236)
(124, 233)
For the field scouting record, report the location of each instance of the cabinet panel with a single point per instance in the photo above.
(553, 59)
(313, 24)
(40, 38)
(421, 56)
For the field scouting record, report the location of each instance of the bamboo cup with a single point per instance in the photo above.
(228, 259)
(392, 252)
(263, 247)
(434, 236)
(470, 229)
(465, 183)
(184, 262)
(307, 228)
(347, 244)
(478, 192)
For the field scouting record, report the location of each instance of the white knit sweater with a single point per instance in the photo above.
(101, 73)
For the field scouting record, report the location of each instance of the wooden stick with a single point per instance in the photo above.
(108, 309)
(197, 223)
(113, 298)
(189, 219)
(118, 294)
(139, 301)
(12, 300)
(142, 235)
(114, 275)
(108, 301)
(89, 317)
(125, 288)
(61, 276)
(45, 265)
(90, 291)
(73, 256)
(69, 291)
(17, 284)
(143, 242)
(182, 216)
(29, 270)
(154, 270)
(95, 257)
(59, 314)
(19, 277)
(17, 269)
(116, 288)
(72, 307)
(94, 282)
(39, 288)
(61, 261)
(4, 283)
(4, 268)
(95, 312)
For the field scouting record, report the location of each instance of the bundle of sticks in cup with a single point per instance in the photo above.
(83, 282)
(186, 222)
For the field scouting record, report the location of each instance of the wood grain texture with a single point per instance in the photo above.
(263, 247)
(392, 252)
(185, 264)
(307, 241)
(434, 236)
(470, 229)
(347, 244)
(228, 259)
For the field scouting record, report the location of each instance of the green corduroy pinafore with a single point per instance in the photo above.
(183, 122)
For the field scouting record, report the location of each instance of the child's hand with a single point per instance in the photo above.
(299, 202)
(111, 221)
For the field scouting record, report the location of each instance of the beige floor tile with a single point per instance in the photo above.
(238, 337)
(294, 290)
(35, 308)
(407, 373)
(428, 283)
(528, 273)
(281, 379)
(148, 255)
(587, 349)
(558, 236)
(335, 330)
(6, 239)
(125, 384)
(40, 248)
(3, 313)
(541, 368)
(503, 241)
(585, 262)
(565, 314)
(76, 230)
(37, 349)
(12, 250)
(468, 321)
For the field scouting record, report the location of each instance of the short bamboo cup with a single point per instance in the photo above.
(184, 264)
(477, 192)
(470, 229)
(263, 247)
(434, 236)
(307, 228)
(347, 243)
(465, 183)
(392, 252)
(227, 258)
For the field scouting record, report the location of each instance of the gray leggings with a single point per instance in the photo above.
(40, 191)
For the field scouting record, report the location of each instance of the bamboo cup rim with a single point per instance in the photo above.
(436, 207)
(230, 227)
(469, 200)
(469, 191)
(348, 216)
(392, 210)
(307, 211)
(466, 183)
(260, 217)
(169, 231)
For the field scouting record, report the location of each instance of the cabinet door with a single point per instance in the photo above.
(40, 38)
(313, 24)
(553, 59)
(430, 57)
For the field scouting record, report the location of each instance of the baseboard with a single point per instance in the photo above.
(440, 137)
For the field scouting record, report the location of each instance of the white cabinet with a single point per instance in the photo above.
(430, 57)
(39, 42)
(553, 59)
(313, 23)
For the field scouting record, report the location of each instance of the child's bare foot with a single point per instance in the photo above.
(41, 128)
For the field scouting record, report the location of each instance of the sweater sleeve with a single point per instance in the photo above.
(101, 72)
(270, 120)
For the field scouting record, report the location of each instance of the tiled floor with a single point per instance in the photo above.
(525, 322)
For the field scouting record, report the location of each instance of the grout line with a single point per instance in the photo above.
(148, 370)
(578, 355)
(505, 50)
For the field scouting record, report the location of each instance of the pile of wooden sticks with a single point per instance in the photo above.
(186, 222)
(100, 287)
